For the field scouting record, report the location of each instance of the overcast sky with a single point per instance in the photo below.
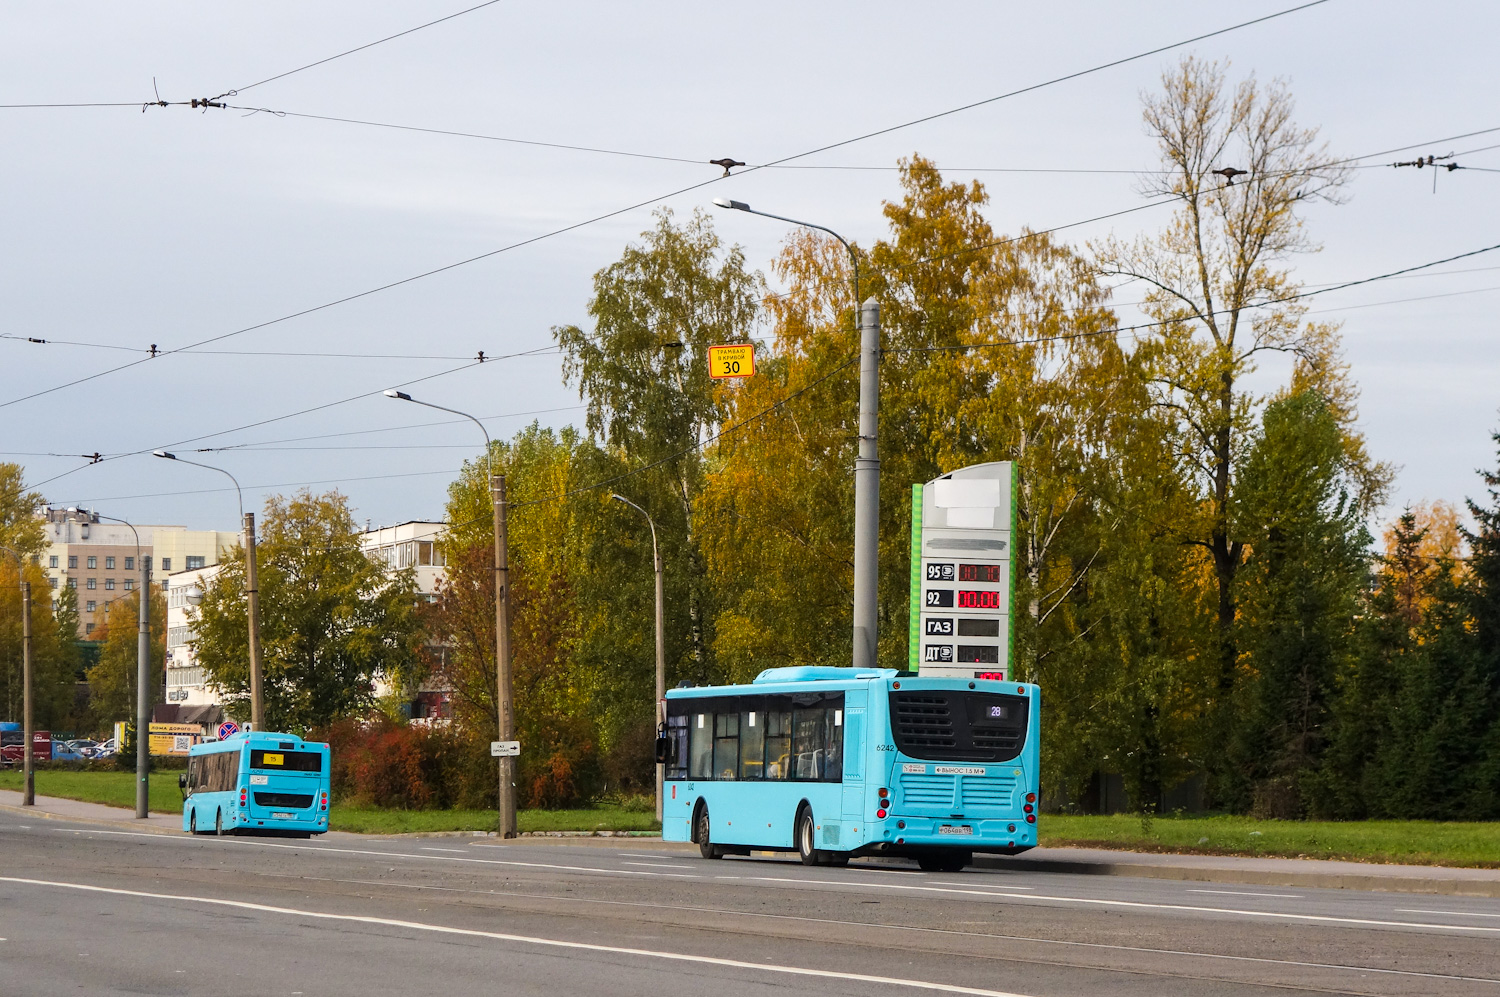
(127, 229)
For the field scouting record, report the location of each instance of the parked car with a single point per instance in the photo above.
(83, 745)
(105, 750)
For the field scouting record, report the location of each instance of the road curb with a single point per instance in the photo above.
(99, 821)
(1375, 882)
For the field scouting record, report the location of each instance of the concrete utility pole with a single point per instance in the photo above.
(28, 794)
(143, 695)
(504, 710)
(661, 652)
(867, 491)
(504, 706)
(252, 594)
(866, 465)
(28, 791)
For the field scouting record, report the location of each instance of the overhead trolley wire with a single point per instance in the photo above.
(360, 48)
(639, 204)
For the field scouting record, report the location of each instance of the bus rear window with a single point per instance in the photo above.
(287, 761)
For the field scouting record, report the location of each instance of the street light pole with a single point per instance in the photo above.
(28, 768)
(504, 706)
(142, 679)
(252, 592)
(661, 654)
(867, 464)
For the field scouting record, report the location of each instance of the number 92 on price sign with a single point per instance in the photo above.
(731, 360)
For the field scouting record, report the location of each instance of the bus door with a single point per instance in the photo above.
(285, 782)
(855, 701)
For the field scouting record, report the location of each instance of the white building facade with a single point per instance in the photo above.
(415, 545)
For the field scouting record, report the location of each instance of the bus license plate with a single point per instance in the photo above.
(951, 829)
(279, 816)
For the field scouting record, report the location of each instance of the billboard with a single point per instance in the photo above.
(173, 739)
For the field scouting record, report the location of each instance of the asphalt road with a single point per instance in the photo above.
(94, 911)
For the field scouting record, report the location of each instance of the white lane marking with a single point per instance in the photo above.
(1133, 904)
(909, 927)
(1455, 913)
(657, 865)
(1240, 893)
(455, 851)
(703, 960)
(1142, 905)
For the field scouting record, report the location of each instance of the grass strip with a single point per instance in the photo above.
(1409, 842)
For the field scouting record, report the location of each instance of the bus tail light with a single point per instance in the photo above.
(880, 814)
(1028, 808)
(242, 797)
(1030, 797)
(323, 801)
(1031, 818)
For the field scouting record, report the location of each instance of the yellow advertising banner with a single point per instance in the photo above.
(173, 739)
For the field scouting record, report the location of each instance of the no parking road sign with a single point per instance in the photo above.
(228, 729)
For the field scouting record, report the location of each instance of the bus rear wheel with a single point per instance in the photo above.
(807, 830)
(944, 861)
(706, 847)
(193, 822)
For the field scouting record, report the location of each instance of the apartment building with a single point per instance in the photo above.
(186, 683)
(415, 545)
(98, 558)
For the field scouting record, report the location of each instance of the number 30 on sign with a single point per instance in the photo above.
(732, 360)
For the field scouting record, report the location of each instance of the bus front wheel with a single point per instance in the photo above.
(701, 827)
(193, 822)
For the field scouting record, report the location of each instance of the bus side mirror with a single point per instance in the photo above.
(663, 745)
(182, 781)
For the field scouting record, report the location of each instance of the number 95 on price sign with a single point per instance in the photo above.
(732, 360)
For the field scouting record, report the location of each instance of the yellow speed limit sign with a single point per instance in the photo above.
(731, 360)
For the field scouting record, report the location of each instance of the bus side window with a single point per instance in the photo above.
(752, 744)
(700, 743)
(192, 773)
(726, 745)
(807, 743)
(778, 744)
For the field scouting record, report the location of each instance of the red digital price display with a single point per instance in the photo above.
(979, 573)
(991, 676)
(969, 599)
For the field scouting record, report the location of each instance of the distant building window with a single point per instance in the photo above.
(88, 628)
(91, 605)
(194, 562)
(130, 564)
(166, 564)
(109, 564)
(72, 583)
(52, 561)
(109, 584)
(93, 562)
(72, 560)
(92, 583)
(130, 585)
(52, 582)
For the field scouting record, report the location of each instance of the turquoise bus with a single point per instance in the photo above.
(256, 783)
(834, 762)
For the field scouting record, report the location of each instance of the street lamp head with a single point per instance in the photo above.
(618, 498)
(194, 595)
(725, 202)
(393, 393)
(163, 454)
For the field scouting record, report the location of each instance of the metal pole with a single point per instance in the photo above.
(143, 696)
(28, 795)
(867, 490)
(661, 673)
(506, 714)
(252, 593)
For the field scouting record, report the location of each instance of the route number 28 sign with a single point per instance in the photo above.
(731, 360)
